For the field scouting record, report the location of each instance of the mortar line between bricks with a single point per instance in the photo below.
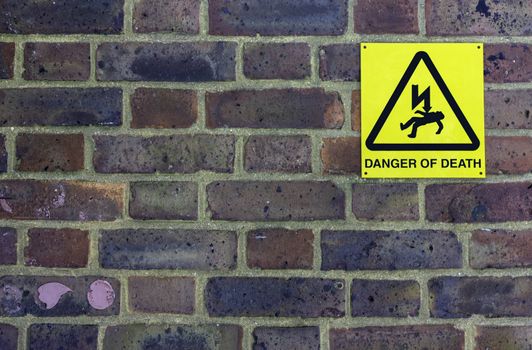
(10, 137)
(23, 336)
(92, 61)
(314, 64)
(247, 338)
(241, 250)
(128, 18)
(424, 297)
(101, 336)
(316, 251)
(324, 335)
(239, 63)
(22, 243)
(94, 256)
(204, 18)
(315, 155)
(239, 156)
(200, 309)
(421, 18)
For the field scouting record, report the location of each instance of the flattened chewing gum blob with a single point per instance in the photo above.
(50, 293)
(100, 295)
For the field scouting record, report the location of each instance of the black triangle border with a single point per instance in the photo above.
(418, 57)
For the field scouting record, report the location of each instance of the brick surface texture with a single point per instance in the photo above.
(186, 175)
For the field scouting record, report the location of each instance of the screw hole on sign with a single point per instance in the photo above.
(365, 47)
(365, 173)
(478, 47)
(480, 173)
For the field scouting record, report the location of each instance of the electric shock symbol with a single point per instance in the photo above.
(427, 117)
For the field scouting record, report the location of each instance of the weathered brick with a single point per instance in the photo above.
(355, 110)
(160, 336)
(507, 63)
(164, 200)
(62, 336)
(163, 108)
(508, 109)
(500, 249)
(503, 337)
(138, 249)
(3, 154)
(162, 295)
(341, 155)
(57, 248)
(384, 298)
(508, 155)
(187, 61)
(180, 17)
(275, 297)
(390, 250)
(8, 337)
(278, 17)
(56, 61)
(19, 296)
(277, 60)
(7, 59)
(61, 17)
(478, 17)
(383, 16)
(49, 152)
(491, 202)
(271, 153)
(437, 337)
(280, 248)
(165, 154)
(312, 108)
(455, 297)
(60, 107)
(61, 200)
(275, 200)
(340, 62)
(8, 245)
(280, 338)
(378, 201)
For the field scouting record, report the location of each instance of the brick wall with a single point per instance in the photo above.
(185, 175)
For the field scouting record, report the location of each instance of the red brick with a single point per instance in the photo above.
(437, 337)
(56, 61)
(341, 155)
(277, 61)
(491, 202)
(355, 110)
(7, 59)
(500, 249)
(383, 16)
(3, 154)
(459, 297)
(508, 155)
(278, 17)
(274, 297)
(280, 249)
(8, 337)
(384, 298)
(180, 17)
(478, 17)
(50, 152)
(61, 200)
(8, 245)
(340, 62)
(271, 153)
(163, 108)
(57, 248)
(388, 202)
(503, 337)
(293, 338)
(62, 336)
(507, 63)
(508, 109)
(275, 200)
(312, 108)
(173, 295)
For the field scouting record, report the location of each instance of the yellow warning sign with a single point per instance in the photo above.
(422, 110)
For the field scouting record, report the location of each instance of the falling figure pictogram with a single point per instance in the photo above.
(427, 116)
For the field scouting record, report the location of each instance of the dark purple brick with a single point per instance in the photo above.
(340, 62)
(62, 336)
(188, 61)
(164, 200)
(60, 107)
(7, 59)
(500, 249)
(162, 294)
(19, 296)
(312, 108)
(61, 17)
(278, 17)
(275, 297)
(180, 17)
(508, 154)
(340, 155)
(165, 154)
(8, 337)
(166, 337)
(8, 245)
(384, 298)
(3, 154)
(503, 337)
(272, 153)
(57, 248)
(508, 109)
(418, 337)
(275, 200)
(456, 297)
(284, 338)
(56, 61)
(138, 249)
(489, 202)
(507, 63)
(277, 60)
(390, 250)
(384, 16)
(61, 200)
(378, 201)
